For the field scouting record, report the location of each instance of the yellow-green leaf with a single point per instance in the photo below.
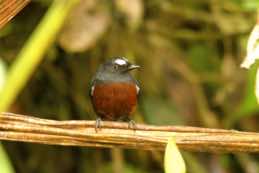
(252, 53)
(2, 73)
(173, 161)
(6, 165)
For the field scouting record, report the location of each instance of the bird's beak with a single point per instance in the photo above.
(132, 67)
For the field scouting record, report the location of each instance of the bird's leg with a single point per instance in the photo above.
(131, 123)
(97, 123)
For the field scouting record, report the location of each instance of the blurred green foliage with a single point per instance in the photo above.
(189, 51)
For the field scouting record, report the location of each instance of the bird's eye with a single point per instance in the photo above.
(116, 66)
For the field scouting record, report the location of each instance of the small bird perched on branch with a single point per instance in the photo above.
(114, 91)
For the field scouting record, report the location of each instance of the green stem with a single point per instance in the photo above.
(6, 166)
(33, 51)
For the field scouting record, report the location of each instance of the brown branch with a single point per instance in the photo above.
(9, 8)
(14, 127)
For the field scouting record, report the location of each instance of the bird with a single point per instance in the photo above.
(114, 92)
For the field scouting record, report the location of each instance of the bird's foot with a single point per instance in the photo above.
(97, 124)
(132, 124)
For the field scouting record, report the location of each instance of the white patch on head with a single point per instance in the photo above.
(137, 87)
(92, 90)
(120, 61)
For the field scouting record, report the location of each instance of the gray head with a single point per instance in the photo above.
(118, 65)
(115, 69)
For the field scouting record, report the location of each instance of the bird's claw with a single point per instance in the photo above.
(132, 124)
(97, 124)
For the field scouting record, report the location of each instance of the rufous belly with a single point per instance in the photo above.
(114, 100)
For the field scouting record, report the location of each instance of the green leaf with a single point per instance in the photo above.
(5, 164)
(248, 106)
(173, 162)
(249, 103)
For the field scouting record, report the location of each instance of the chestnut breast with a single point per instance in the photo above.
(114, 100)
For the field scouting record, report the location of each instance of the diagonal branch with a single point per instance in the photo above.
(15, 127)
(9, 8)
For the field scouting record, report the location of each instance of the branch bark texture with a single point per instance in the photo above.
(9, 8)
(15, 127)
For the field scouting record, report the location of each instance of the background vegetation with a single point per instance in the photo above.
(190, 53)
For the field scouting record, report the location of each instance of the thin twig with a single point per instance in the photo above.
(15, 127)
